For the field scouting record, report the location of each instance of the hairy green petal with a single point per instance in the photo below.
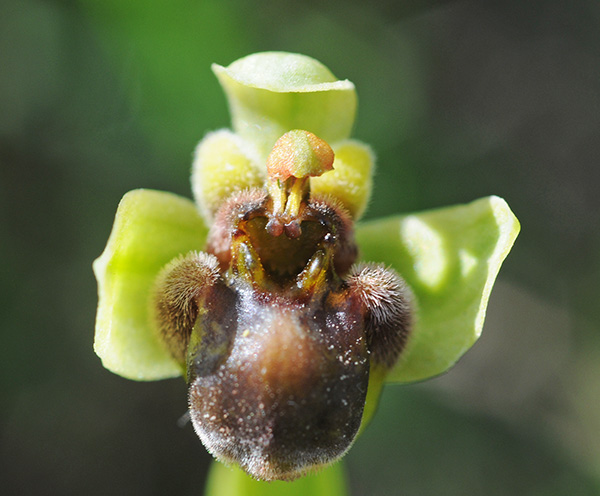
(351, 179)
(223, 163)
(450, 257)
(232, 481)
(271, 93)
(150, 229)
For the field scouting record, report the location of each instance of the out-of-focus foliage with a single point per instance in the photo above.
(459, 100)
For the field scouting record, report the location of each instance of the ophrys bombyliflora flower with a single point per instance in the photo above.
(254, 293)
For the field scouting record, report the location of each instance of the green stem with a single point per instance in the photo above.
(232, 481)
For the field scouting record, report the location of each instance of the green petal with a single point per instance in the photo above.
(350, 181)
(151, 228)
(450, 258)
(232, 481)
(271, 93)
(223, 163)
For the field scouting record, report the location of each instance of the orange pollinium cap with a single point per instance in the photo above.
(299, 154)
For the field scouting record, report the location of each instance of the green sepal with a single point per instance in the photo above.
(271, 93)
(450, 257)
(150, 229)
(377, 377)
(233, 481)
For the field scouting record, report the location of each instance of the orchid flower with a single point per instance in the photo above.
(282, 310)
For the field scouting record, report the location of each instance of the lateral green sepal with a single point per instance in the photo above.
(450, 257)
(151, 228)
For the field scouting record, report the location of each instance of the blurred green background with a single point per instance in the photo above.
(459, 100)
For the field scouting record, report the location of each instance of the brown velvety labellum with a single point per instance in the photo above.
(291, 393)
(276, 326)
